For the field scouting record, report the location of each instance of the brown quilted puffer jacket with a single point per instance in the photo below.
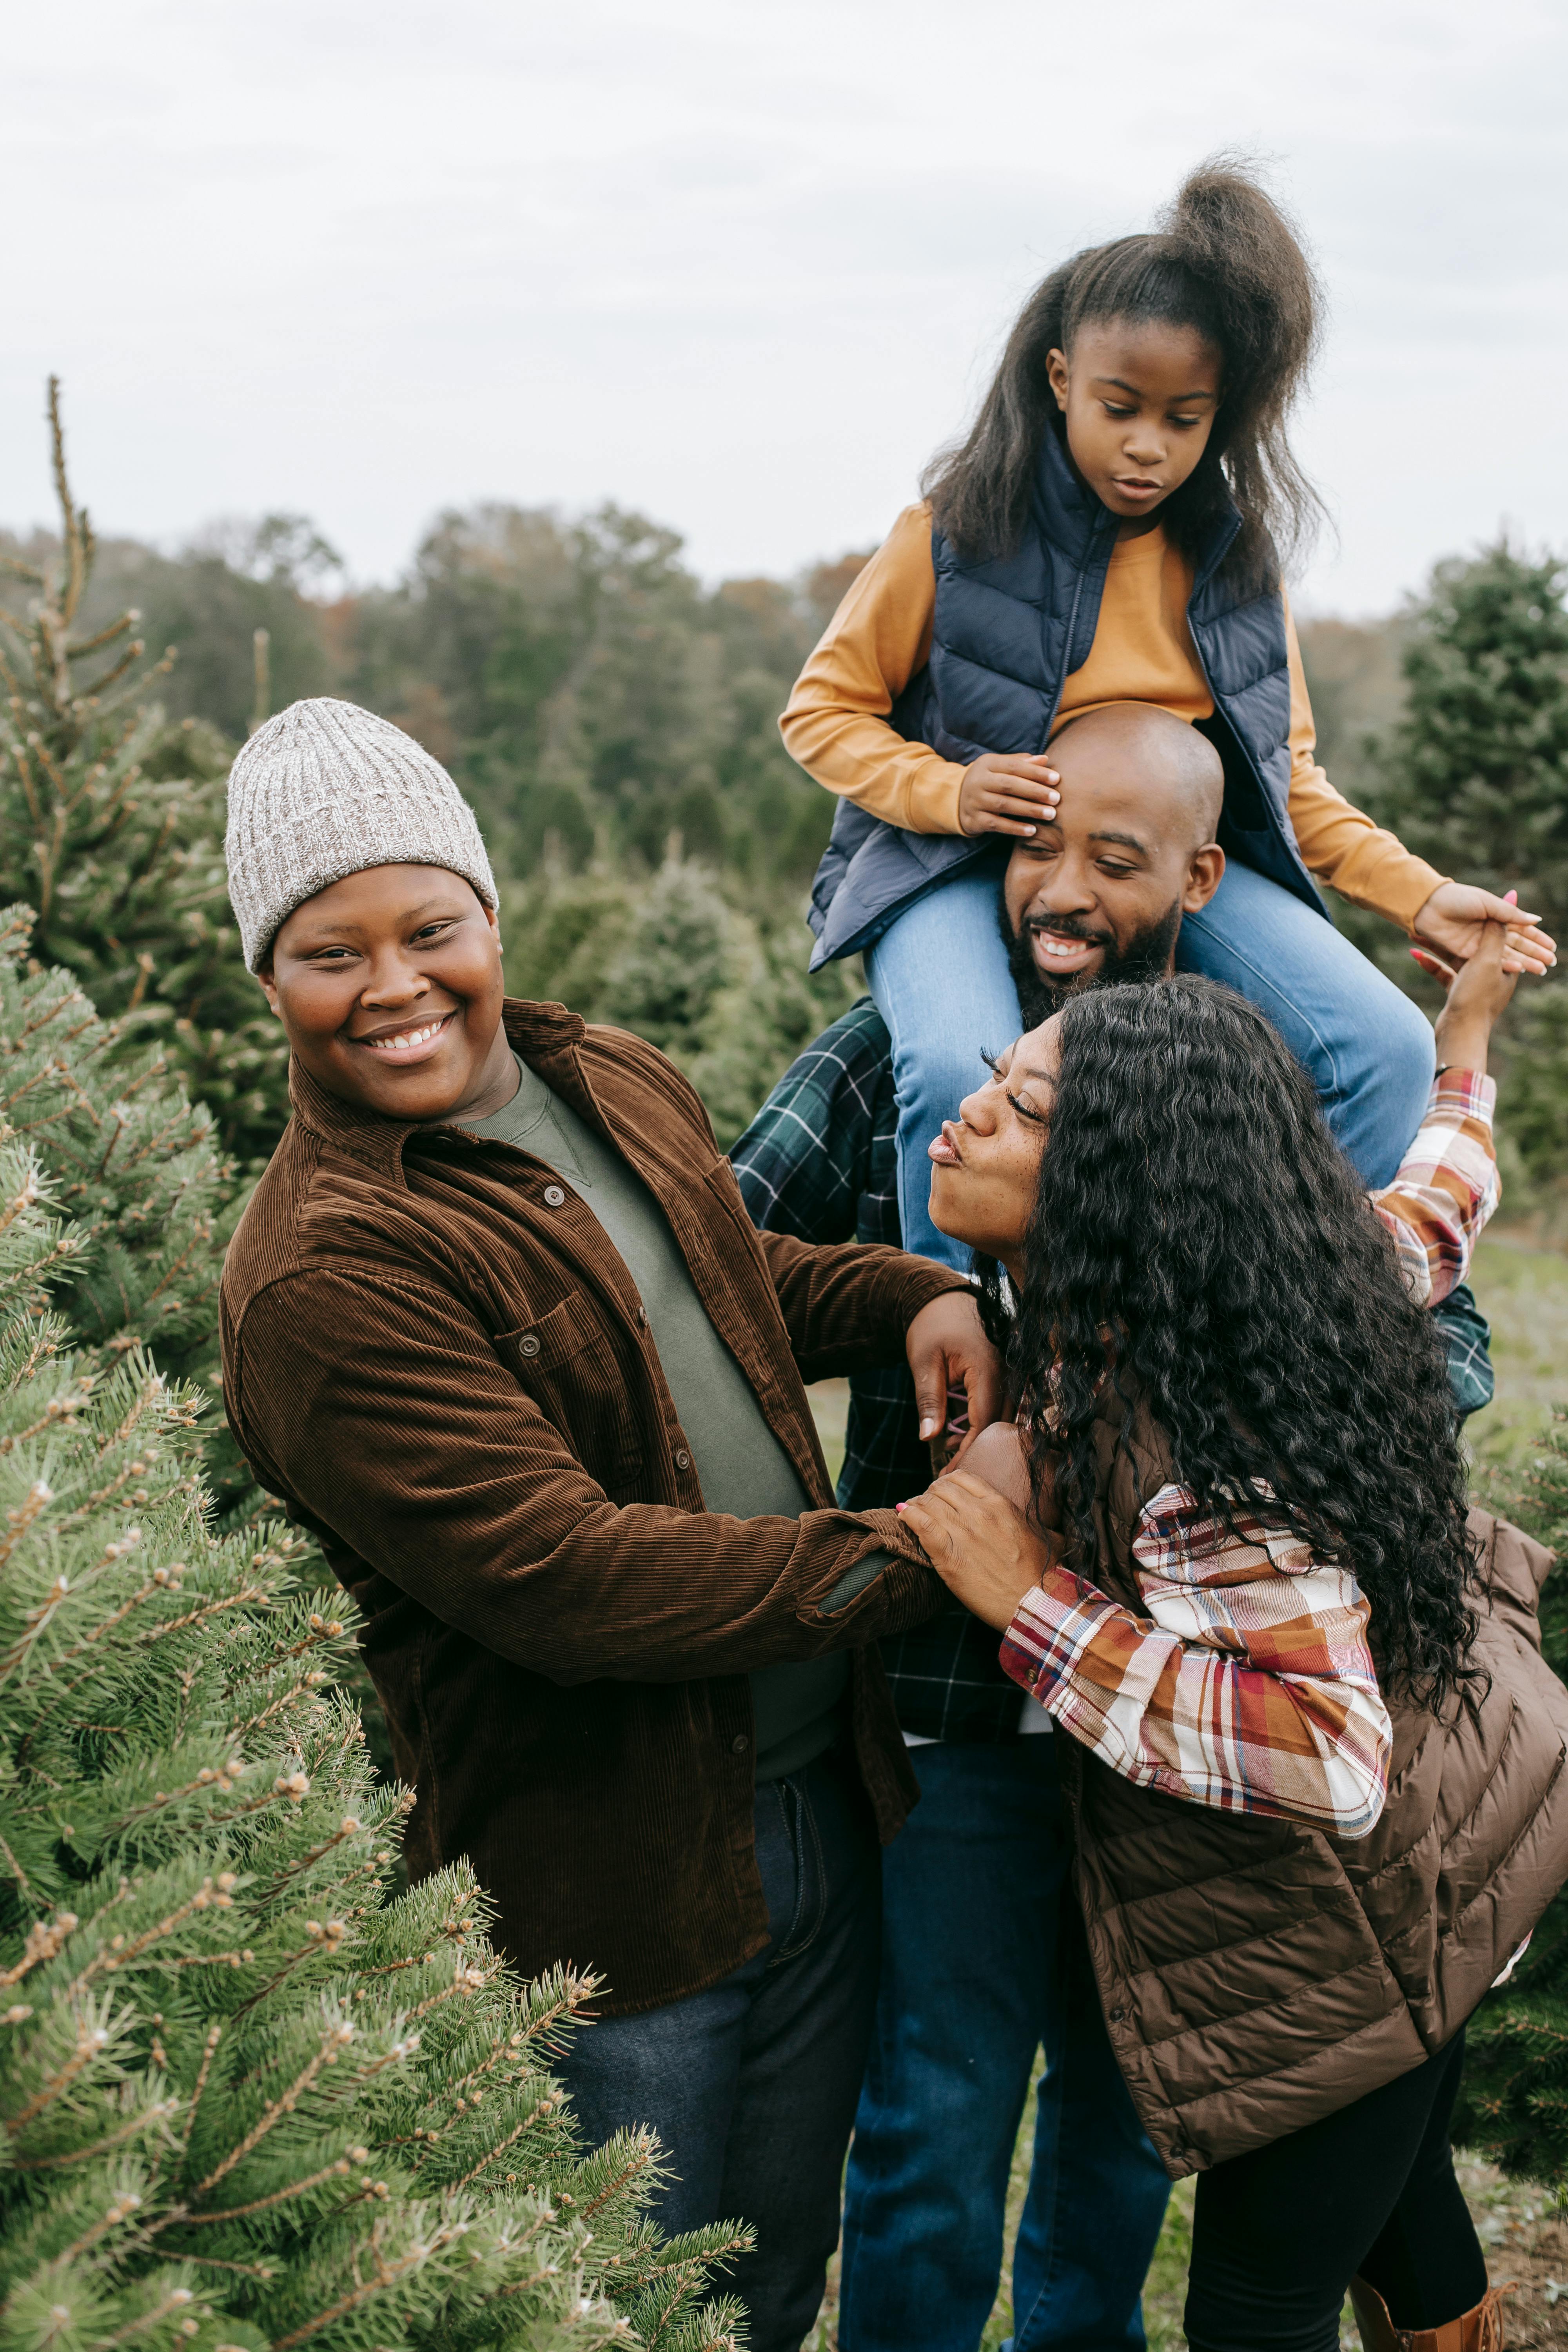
(1256, 1974)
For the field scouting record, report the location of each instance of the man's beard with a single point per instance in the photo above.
(1146, 957)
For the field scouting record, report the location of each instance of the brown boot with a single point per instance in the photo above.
(1480, 2330)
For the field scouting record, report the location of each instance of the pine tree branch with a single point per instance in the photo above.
(321, 1942)
(58, 1409)
(45, 1939)
(641, 2157)
(137, 2124)
(339, 2171)
(178, 2298)
(307, 1684)
(211, 1776)
(386, 2274)
(16, 1870)
(334, 2041)
(499, 2148)
(209, 2052)
(111, 1960)
(105, 637)
(77, 538)
(91, 2041)
(240, 1600)
(120, 2211)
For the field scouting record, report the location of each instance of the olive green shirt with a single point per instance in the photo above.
(745, 1470)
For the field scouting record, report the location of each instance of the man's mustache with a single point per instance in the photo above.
(1069, 927)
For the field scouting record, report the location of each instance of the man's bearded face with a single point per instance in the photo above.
(1144, 955)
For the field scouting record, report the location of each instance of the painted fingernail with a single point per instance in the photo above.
(898, 1506)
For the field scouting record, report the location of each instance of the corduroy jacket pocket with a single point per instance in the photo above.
(551, 1340)
(569, 1365)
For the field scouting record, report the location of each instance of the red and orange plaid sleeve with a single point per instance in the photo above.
(1247, 1685)
(1446, 1187)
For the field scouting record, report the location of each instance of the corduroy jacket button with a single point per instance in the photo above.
(553, 1196)
(740, 1743)
(683, 1460)
(529, 1344)
(642, 1314)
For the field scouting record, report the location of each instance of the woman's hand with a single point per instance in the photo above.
(1477, 995)
(984, 1549)
(999, 1457)
(948, 1349)
(1007, 791)
(1455, 919)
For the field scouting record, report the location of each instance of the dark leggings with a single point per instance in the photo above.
(1279, 2234)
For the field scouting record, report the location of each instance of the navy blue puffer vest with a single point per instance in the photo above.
(1006, 637)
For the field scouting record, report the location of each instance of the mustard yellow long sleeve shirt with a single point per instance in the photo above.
(836, 723)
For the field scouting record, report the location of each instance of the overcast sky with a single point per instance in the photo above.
(742, 263)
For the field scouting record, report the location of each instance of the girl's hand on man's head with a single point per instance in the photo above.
(1007, 791)
(981, 1545)
(1456, 919)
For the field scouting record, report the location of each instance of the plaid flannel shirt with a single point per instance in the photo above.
(1246, 1684)
(819, 1161)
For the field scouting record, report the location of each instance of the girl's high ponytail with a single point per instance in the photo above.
(1225, 261)
(1225, 233)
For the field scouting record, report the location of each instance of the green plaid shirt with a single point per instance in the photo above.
(819, 1161)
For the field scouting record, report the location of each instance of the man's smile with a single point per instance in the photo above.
(1060, 952)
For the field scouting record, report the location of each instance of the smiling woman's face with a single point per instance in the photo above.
(986, 1163)
(389, 986)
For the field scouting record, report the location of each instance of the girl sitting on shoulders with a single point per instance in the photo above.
(1113, 531)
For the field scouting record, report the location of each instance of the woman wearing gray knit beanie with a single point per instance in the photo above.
(338, 823)
(498, 1330)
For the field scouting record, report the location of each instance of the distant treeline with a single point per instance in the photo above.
(615, 723)
(587, 688)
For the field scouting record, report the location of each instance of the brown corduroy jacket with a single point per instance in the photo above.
(437, 1360)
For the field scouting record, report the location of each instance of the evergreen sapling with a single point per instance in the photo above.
(246, 2098)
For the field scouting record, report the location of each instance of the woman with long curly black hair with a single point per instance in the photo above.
(1314, 1755)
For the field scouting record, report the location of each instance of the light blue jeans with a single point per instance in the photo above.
(941, 981)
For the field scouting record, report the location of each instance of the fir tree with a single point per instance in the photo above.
(246, 2100)
(112, 826)
(134, 1165)
(728, 999)
(1475, 778)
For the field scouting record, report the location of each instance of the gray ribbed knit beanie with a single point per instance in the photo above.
(323, 791)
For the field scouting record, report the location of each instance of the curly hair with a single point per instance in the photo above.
(1223, 261)
(1195, 1222)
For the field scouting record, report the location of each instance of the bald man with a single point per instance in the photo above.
(980, 1962)
(1100, 896)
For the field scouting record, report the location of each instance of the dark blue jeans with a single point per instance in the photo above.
(983, 1960)
(752, 2085)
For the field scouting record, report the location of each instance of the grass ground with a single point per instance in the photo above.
(1523, 1292)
